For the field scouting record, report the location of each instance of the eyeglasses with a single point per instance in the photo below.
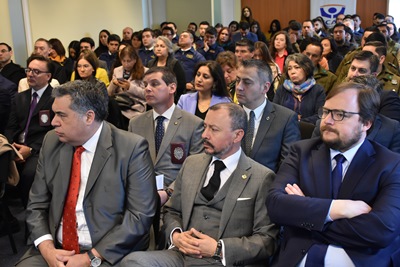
(4, 51)
(35, 71)
(337, 115)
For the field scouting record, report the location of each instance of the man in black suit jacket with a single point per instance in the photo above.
(276, 127)
(8, 68)
(349, 221)
(28, 140)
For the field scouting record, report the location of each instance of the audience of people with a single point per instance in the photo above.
(209, 145)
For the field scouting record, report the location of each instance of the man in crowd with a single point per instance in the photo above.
(339, 35)
(217, 213)
(127, 35)
(146, 53)
(272, 128)
(188, 57)
(211, 49)
(101, 208)
(244, 50)
(8, 68)
(323, 77)
(30, 119)
(109, 57)
(179, 132)
(340, 192)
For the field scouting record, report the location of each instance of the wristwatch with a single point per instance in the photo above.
(218, 252)
(94, 261)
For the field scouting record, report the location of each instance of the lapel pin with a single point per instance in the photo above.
(176, 123)
(244, 176)
(267, 118)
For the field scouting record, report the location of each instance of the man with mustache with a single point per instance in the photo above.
(337, 196)
(217, 214)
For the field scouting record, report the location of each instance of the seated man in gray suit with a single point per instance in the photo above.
(217, 213)
(93, 198)
(180, 131)
(271, 127)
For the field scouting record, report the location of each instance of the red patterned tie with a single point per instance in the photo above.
(69, 232)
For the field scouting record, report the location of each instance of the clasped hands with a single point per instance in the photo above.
(340, 208)
(194, 243)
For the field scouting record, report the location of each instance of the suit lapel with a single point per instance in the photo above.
(66, 154)
(239, 177)
(321, 166)
(359, 165)
(149, 131)
(192, 186)
(265, 123)
(173, 126)
(100, 157)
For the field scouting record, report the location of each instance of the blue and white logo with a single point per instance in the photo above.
(330, 12)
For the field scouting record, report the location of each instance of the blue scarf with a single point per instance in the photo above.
(299, 88)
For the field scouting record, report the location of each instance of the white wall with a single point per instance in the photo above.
(394, 10)
(74, 19)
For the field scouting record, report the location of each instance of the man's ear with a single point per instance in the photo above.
(172, 88)
(90, 117)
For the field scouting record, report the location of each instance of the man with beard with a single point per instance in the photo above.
(217, 214)
(340, 193)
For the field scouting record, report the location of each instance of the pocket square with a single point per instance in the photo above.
(243, 198)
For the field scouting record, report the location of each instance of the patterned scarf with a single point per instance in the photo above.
(299, 88)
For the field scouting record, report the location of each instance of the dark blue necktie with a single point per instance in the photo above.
(337, 175)
(316, 254)
(211, 189)
(158, 136)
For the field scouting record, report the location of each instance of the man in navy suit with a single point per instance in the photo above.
(352, 220)
(276, 127)
(26, 129)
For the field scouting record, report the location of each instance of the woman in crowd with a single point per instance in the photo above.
(57, 54)
(274, 27)
(137, 40)
(331, 54)
(210, 87)
(73, 50)
(233, 26)
(164, 57)
(229, 64)
(299, 92)
(255, 28)
(247, 15)
(224, 40)
(126, 85)
(102, 48)
(85, 69)
(261, 52)
(280, 47)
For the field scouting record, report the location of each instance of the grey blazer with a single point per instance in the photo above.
(120, 196)
(183, 128)
(245, 228)
(278, 129)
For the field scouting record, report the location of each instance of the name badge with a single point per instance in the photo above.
(189, 56)
(178, 153)
(44, 118)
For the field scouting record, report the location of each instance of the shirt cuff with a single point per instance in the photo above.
(170, 236)
(41, 239)
(328, 218)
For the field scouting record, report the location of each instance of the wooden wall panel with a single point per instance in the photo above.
(264, 11)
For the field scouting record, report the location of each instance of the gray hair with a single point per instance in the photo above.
(167, 42)
(85, 96)
(264, 71)
(236, 113)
